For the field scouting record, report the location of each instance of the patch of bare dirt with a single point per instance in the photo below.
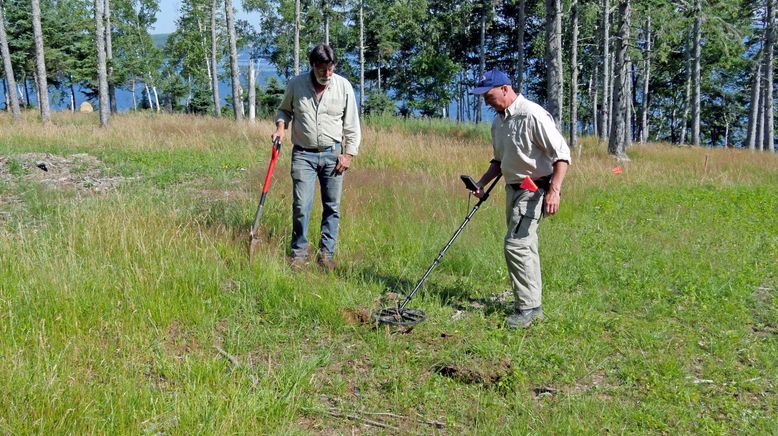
(79, 172)
(357, 317)
(483, 373)
(178, 342)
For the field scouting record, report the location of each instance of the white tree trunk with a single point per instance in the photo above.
(296, 37)
(40, 63)
(769, 117)
(605, 62)
(72, 96)
(148, 95)
(102, 75)
(237, 104)
(482, 60)
(554, 60)
(696, 76)
(13, 98)
(593, 91)
(109, 56)
(756, 93)
(214, 71)
(252, 93)
(132, 90)
(156, 98)
(618, 134)
(646, 81)
(361, 56)
(326, 13)
(574, 75)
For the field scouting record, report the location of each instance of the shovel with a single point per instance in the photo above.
(253, 239)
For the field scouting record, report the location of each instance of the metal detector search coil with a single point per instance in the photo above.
(398, 317)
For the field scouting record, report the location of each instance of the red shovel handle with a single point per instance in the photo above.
(273, 159)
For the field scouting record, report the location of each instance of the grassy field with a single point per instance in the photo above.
(128, 303)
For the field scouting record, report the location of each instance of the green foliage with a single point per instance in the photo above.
(269, 98)
(379, 103)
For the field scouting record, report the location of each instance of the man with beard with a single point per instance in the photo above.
(322, 109)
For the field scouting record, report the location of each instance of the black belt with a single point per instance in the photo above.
(313, 150)
(541, 182)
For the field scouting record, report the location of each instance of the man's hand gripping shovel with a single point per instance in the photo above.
(253, 238)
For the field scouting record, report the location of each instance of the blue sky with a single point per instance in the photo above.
(169, 10)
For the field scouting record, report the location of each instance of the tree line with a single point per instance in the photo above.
(695, 72)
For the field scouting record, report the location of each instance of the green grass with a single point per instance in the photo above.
(660, 292)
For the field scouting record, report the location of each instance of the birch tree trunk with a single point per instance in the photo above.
(296, 37)
(769, 116)
(361, 57)
(109, 56)
(756, 93)
(102, 75)
(602, 128)
(617, 142)
(13, 98)
(521, 25)
(132, 90)
(696, 72)
(156, 97)
(574, 75)
(325, 10)
(148, 95)
(688, 97)
(72, 94)
(630, 97)
(646, 81)
(482, 61)
(554, 60)
(237, 103)
(217, 110)
(593, 86)
(40, 63)
(252, 93)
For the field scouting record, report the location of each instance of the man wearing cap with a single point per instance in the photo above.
(325, 133)
(527, 148)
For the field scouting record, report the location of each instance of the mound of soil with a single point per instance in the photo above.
(80, 172)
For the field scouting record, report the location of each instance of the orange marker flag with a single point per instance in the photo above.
(528, 184)
(617, 170)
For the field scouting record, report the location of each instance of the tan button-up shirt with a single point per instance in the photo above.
(526, 141)
(320, 124)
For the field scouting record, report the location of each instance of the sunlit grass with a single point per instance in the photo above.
(659, 290)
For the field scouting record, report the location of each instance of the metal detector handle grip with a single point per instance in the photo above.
(486, 194)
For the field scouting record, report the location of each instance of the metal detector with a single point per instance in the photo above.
(253, 239)
(400, 316)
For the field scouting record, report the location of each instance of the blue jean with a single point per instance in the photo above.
(307, 166)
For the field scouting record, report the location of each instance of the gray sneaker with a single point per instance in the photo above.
(523, 318)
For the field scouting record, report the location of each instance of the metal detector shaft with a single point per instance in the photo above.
(450, 241)
(266, 186)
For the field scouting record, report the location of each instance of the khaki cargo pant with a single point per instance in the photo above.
(524, 210)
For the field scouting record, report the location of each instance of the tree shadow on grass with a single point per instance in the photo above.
(448, 290)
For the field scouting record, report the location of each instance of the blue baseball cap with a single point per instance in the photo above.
(490, 80)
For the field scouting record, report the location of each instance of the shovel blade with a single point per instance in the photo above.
(254, 243)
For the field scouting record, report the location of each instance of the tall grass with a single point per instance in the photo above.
(659, 284)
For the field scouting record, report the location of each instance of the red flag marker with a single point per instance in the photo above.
(528, 184)
(617, 170)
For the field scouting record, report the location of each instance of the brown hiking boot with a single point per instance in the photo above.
(326, 262)
(298, 263)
